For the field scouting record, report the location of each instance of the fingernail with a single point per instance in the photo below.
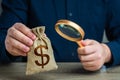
(26, 49)
(33, 37)
(29, 43)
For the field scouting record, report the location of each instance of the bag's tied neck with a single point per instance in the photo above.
(39, 31)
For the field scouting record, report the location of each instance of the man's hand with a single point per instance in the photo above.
(19, 39)
(93, 55)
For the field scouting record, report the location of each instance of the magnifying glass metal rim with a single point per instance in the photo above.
(69, 23)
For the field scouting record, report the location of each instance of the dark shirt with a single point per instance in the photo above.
(94, 16)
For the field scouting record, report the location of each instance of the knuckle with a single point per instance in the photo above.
(10, 30)
(8, 43)
(9, 48)
(18, 26)
(78, 50)
(84, 51)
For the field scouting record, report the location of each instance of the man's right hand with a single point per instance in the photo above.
(19, 39)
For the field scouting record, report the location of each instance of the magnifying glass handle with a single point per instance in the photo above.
(79, 44)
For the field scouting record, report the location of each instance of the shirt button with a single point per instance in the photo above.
(70, 14)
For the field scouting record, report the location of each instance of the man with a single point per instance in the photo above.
(19, 16)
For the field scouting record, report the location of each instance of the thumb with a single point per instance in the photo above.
(81, 43)
(86, 42)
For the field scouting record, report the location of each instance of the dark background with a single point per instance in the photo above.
(104, 36)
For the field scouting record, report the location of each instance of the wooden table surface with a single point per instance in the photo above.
(65, 71)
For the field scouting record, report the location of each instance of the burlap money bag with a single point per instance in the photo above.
(40, 58)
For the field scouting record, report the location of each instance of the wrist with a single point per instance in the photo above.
(107, 53)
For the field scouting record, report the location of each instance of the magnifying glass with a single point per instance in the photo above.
(70, 31)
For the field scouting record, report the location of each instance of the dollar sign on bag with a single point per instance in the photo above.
(41, 55)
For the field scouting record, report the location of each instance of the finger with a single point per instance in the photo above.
(12, 50)
(91, 68)
(16, 52)
(87, 50)
(20, 36)
(92, 65)
(89, 42)
(87, 58)
(18, 45)
(88, 63)
(25, 30)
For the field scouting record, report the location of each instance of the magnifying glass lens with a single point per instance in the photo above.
(69, 31)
